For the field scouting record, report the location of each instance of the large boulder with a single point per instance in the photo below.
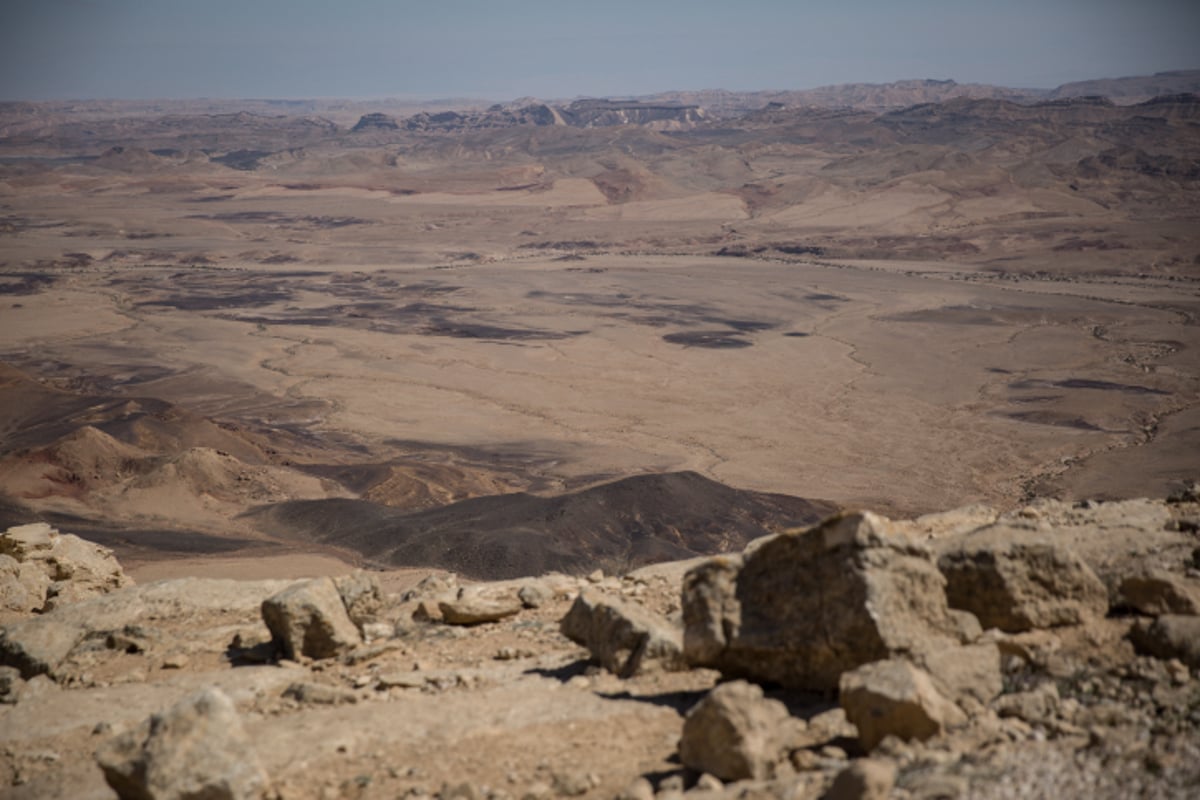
(310, 619)
(735, 733)
(808, 605)
(53, 568)
(624, 637)
(39, 645)
(895, 698)
(196, 749)
(1016, 583)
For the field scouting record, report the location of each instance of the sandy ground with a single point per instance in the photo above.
(505, 325)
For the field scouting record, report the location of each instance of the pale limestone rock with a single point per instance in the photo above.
(25, 542)
(1039, 705)
(23, 585)
(966, 671)
(535, 594)
(639, 789)
(39, 645)
(196, 749)
(895, 698)
(624, 637)
(1169, 636)
(735, 733)
(475, 606)
(808, 605)
(53, 569)
(361, 595)
(1015, 583)
(864, 779)
(319, 694)
(1154, 592)
(309, 619)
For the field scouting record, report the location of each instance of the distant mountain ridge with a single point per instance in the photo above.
(1127, 90)
(899, 94)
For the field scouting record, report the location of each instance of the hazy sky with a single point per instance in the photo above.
(504, 49)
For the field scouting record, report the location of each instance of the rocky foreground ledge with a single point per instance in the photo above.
(1050, 652)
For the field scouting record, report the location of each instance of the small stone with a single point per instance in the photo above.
(373, 631)
(1179, 672)
(864, 779)
(370, 652)
(10, 684)
(1038, 705)
(537, 791)
(805, 760)
(401, 680)
(320, 694)
(639, 789)
(474, 609)
(427, 611)
(512, 654)
(939, 785)
(534, 595)
(709, 783)
(175, 661)
(596, 576)
(833, 752)
(1170, 636)
(671, 783)
(571, 783)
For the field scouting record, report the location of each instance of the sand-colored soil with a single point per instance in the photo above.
(906, 326)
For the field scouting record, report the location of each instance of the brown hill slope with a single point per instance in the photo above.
(616, 526)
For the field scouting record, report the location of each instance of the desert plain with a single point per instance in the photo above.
(908, 310)
(271, 342)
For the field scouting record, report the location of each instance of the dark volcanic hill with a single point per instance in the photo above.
(616, 526)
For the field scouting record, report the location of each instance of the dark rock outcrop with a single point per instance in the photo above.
(375, 122)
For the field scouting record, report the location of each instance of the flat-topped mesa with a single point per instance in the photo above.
(599, 113)
(375, 122)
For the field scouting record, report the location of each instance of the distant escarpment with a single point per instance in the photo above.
(590, 113)
(616, 526)
(375, 121)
